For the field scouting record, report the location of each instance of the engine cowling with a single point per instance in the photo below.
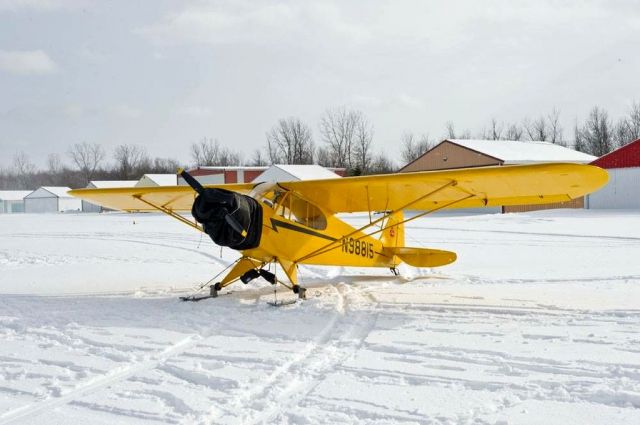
(230, 219)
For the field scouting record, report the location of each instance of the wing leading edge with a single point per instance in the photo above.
(463, 188)
(174, 198)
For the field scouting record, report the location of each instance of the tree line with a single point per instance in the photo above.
(346, 141)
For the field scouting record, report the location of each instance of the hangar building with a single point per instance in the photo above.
(150, 180)
(284, 173)
(247, 174)
(455, 153)
(224, 174)
(50, 199)
(12, 201)
(623, 189)
(104, 184)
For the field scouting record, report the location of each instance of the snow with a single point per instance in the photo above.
(537, 322)
(157, 180)
(288, 172)
(13, 195)
(56, 191)
(107, 184)
(516, 152)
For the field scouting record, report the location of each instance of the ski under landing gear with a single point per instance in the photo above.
(272, 279)
(246, 270)
(213, 293)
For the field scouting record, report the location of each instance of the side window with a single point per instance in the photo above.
(306, 213)
(294, 208)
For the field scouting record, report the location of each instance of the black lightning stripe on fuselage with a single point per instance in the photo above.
(277, 223)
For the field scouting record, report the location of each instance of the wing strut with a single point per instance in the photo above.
(336, 244)
(170, 213)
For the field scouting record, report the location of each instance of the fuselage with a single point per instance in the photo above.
(300, 232)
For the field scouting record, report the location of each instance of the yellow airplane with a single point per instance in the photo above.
(292, 223)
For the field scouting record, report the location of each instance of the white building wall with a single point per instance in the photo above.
(69, 204)
(622, 191)
(209, 179)
(41, 205)
(90, 208)
(13, 206)
(275, 174)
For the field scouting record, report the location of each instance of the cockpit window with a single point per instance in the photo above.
(292, 207)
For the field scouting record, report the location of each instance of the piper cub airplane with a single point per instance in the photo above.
(292, 223)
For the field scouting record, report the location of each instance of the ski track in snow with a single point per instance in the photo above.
(460, 345)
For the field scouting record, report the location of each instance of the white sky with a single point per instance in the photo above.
(166, 74)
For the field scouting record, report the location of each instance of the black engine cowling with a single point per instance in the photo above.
(230, 219)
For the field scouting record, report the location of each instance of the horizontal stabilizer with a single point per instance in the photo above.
(422, 257)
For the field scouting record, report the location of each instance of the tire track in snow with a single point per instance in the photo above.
(340, 340)
(40, 407)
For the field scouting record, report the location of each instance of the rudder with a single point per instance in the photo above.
(393, 235)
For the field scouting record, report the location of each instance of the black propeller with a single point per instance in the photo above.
(228, 218)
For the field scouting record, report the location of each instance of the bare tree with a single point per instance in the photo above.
(554, 127)
(537, 129)
(628, 128)
(130, 159)
(87, 158)
(596, 135)
(54, 163)
(258, 158)
(495, 130)
(451, 131)
(413, 147)
(514, 132)
(210, 152)
(323, 157)
(24, 169)
(634, 122)
(362, 149)
(164, 165)
(290, 142)
(205, 152)
(338, 128)
(579, 143)
(381, 164)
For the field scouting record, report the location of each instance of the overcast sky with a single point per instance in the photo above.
(166, 74)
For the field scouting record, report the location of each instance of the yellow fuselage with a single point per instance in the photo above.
(338, 244)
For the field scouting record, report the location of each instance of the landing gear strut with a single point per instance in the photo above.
(302, 292)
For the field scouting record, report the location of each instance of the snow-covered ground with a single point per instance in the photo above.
(537, 322)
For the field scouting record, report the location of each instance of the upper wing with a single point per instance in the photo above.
(463, 188)
(174, 198)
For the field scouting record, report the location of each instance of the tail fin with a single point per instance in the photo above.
(393, 245)
(393, 235)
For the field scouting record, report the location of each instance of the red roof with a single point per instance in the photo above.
(625, 157)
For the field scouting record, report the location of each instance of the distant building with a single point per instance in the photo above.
(12, 201)
(455, 153)
(48, 199)
(150, 180)
(224, 174)
(104, 184)
(284, 173)
(623, 189)
(248, 174)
